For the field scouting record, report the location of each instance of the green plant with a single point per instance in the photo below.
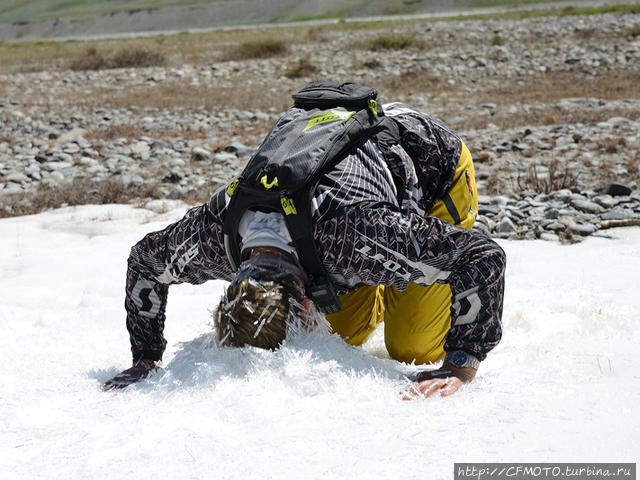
(586, 33)
(634, 31)
(497, 40)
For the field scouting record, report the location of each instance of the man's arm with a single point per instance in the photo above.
(384, 247)
(190, 250)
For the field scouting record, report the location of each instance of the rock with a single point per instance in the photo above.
(556, 227)
(71, 135)
(617, 121)
(488, 210)
(95, 170)
(17, 177)
(173, 177)
(605, 201)
(506, 226)
(82, 142)
(140, 149)
(53, 166)
(128, 179)
(552, 213)
(177, 163)
(11, 188)
(615, 190)
(583, 229)
(224, 157)
(237, 147)
(549, 237)
(562, 195)
(71, 148)
(616, 214)
(63, 157)
(33, 171)
(54, 178)
(500, 201)
(199, 154)
(586, 206)
(86, 161)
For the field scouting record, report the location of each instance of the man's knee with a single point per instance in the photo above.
(417, 321)
(421, 349)
(362, 310)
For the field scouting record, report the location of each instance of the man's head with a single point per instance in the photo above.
(264, 301)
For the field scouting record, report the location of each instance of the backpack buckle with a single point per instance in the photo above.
(324, 296)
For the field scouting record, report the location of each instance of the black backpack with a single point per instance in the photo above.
(327, 120)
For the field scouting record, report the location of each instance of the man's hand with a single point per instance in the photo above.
(447, 379)
(140, 369)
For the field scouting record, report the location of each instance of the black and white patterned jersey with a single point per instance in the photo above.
(370, 228)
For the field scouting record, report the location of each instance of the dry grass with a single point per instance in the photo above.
(556, 178)
(77, 192)
(586, 33)
(125, 58)
(133, 132)
(87, 55)
(413, 82)
(302, 68)
(177, 96)
(548, 116)
(390, 42)
(177, 49)
(547, 89)
(554, 86)
(612, 144)
(89, 192)
(267, 48)
(112, 132)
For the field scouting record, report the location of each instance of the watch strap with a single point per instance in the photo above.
(470, 361)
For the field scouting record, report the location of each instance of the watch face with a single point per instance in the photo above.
(459, 358)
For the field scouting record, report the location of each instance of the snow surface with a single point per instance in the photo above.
(563, 385)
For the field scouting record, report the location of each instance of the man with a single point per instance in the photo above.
(389, 227)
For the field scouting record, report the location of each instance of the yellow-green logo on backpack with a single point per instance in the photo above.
(333, 115)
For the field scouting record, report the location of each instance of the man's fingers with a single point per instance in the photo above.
(118, 382)
(453, 385)
(410, 393)
(429, 387)
(423, 389)
(426, 388)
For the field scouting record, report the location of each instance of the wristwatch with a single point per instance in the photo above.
(460, 358)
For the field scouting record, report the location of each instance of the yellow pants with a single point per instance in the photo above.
(416, 321)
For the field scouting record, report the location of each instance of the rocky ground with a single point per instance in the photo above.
(549, 107)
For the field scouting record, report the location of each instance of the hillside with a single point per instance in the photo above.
(79, 18)
(549, 106)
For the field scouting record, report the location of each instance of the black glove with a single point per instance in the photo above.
(140, 369)
(447, 370)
